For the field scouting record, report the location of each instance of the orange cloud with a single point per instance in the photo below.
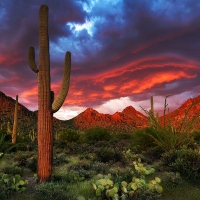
(109, 87)
(131, 78)
(30, 93)
(159, 78)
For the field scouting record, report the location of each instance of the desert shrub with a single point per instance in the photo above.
(70, 136)
(153, 154)
(85, 174)
(60, 159)
(8, 137)
(122, 136)
(4, 192)
(13, 170)
(196, 136)
(142, 139)
(50, 191)
(71, 176)
(185, 161)
(5, 144)
(64, 176)
(83, 190)
(99, 167)
(97, 134)
(172, 179)
(108, 154)
(32, 164)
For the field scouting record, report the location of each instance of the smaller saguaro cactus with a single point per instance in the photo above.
(56, 136)
(152, 106)
(151, 111)
(32, 135)
(14, 132)
(9, 131)
(157, 116)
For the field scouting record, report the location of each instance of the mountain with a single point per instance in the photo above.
(127, 120)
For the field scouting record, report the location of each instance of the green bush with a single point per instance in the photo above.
(142, 138)
(13, 170)
(97, 134)
(50, 191)
(5, 144)
(185, 161)
(108, 154)
(32, 164)
(5, 192)
(196, 136)
(99, 167)
(69, 135)
(172, 179)
(71, 176)
(60, 159)
(122, 136)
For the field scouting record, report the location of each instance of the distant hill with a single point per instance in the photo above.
(127, 120)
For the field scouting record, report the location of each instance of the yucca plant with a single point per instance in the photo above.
(167, 136)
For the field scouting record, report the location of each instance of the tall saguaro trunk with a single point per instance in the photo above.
(45, 117)
(14, 132)
(46, 104)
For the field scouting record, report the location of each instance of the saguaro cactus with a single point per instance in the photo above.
(152, 106)
(46, 104)
(8, 128)
(14, 132)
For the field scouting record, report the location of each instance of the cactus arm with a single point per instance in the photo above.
(31, 59)
(65, 84)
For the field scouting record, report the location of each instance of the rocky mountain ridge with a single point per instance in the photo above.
(127, 120)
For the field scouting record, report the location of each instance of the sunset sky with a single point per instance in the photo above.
(123, 52)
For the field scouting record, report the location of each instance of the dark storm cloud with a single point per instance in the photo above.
(133, 48)
(19, 30)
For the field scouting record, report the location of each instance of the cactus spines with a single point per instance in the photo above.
(46, 103)
(14, 132)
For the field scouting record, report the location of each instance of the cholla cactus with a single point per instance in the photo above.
(46, 103)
